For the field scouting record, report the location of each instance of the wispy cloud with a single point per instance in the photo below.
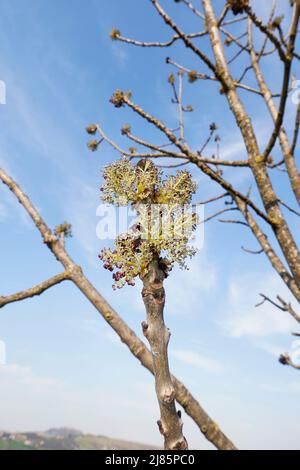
(187, 289)
(24, 376)
(243, 319)
(197, 360)
(120, 54)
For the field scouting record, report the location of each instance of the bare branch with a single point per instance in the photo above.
(285, 360)
(214, 199)
(281, 110)
(214, 216)
(269, 251)
(283, 138)
(283, 306)
(203, 76)
(184, 37)
(288, 308)
(296, 131)
(169, 43)
(223, 14)
(34, 291)
(156, 148)
(265, 29)
(252, 252)
(285, 84)
(193, 157)
(289, 208)
(178, 165)
(212, 131)
(258, 164)
(125, 153)
(230, 221)
(180, 106)
(193, 9)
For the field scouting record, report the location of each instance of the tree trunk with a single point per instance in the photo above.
(154, 329)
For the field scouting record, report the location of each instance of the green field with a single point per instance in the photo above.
(14, 445)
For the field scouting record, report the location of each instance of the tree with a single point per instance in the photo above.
(55, 242)
(262, 209)
(264, 212)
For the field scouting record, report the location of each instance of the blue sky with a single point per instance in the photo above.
(65, 367)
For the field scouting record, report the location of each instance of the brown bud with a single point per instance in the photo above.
(91, 129)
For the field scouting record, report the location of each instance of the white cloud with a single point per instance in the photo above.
(286, 387)
(272, 349)
(81, 206)
(24, 376)
(243, 319)
(10, 209)
(120, 53)
(30, 402)
(198, 360)
(186, 289)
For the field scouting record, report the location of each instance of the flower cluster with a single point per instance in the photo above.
(193, 76)
(118, 98)
(115, 34)
(238, 6)
(130, 259)
(125, 183)
(177, 189)
(276, 23)
(164, 223)
(65, 229)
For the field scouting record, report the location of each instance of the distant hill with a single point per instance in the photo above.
(63, 432)
(64, 439)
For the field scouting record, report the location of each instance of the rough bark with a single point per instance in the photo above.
(154, 329)
(286, 148)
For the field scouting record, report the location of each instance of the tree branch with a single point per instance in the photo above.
(154, 329)
(285, 84)
(258, 164)
(127, 336)
(183, 36)
(169, 43)
(283, 306)
(34, 291)
(296, 132)
(203, 76)
(265, 30)
(289, 160)
(193, 157)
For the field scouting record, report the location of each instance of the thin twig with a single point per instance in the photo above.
(296, 131)
(169, 43)
(214, 199)
(252, 252)
(283, 306)
(34, 291)
(211, 217)
(289, 208)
